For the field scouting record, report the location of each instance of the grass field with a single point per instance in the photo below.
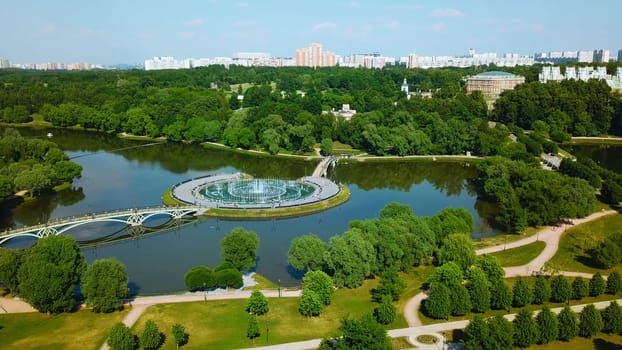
(79, 330)
(521, 255)
(577, 241)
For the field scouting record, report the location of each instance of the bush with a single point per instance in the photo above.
(385, 312)
(199, 278)
(257, 303)
(310, 303)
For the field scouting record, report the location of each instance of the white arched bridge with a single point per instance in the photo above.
(130, 217)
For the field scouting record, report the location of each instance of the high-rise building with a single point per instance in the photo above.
(601, 56)
(4, 63)
(585, 56)
(620, 55)
(314, 56)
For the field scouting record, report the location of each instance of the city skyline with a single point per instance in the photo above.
(111, 32)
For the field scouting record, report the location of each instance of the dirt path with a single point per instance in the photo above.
(549, 235)
(14, 306)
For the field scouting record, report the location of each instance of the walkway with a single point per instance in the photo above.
(549, 235)
(320, 169)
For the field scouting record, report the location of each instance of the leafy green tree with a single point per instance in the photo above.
(10, 261)
(521, 294)
(252, 330)
(228, 278)
(541, 291)
(38, 178)
(151, 338)
(458, 248)
(597, 285)
(560, 289)
(239, 248)
(363, 333)
(460, 301)
(500, 333)
(612, 318)
(476, 334)
(321, 284)
(50, 272)
(611, 192)
(491, 267)
(307, 252)
(438, 304)
(179, 335)
(590, 321)
(449, 274)
(568, 326)
(390, 284)
(580, 288)
(500, 296)
(614, 284)
(478, 288)
(104, 284)
(122, 338)
(547, 326)
(257, 303)
(607, 254)
(199, 278)
(385, 312)
(350, 258)
(66, 171)
(326, 147)
(525, 329)
(310, 303)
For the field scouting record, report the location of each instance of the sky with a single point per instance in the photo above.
(130, 31)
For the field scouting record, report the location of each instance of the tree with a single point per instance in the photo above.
(612, 318)
(500, 296)
(199, 278)
(590, 321)
(252, 330)
(390, 284)
(326, 147)
(458, 248)
(364, 333)
(500, 333)
(460, 301)
(521, 293)
(547, 326)
(385, 312)
(104, 284)
(350, 258)
(307, 252)
(560, 289)
(614, 284)
(228, 278)
(10, 261)
(321, 284)
(239, 248)
(50, 272)
(580, 288)
(179, 334)
(310, 303)
(438, 304)
(491, 267)
(541, 291)
(607, 254)
(257, 303)
(448, 274)
(479, 291)
(525, 329)
(597, 285)
(121, 338)
(568, 326)
(151, 338)
(476, 334)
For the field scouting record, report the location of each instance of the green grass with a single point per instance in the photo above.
(521, 255)
(601, 341)
(222, 324)
(168, 200)
(602, 141)
(262, 283)
(414, 285)
(79, 330)
(573, 253)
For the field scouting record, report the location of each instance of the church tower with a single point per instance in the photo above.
(405, 86)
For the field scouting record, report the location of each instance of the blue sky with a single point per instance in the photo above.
(127, 31)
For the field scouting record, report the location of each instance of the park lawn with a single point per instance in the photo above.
(262, 283)
(601, 341)
(521, 255)
(222, 324)
(414, 285)
(574, 245)
(504, 238)
(83, 329)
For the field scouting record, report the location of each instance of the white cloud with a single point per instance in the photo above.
(515, 25)
(324, 26)
(439, 27)
(446, 13)
(403, 8)
(50, 28)
(393, 24)
(195, 22)
(353, 3)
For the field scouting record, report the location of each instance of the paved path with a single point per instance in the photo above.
(549, 235)
(14, 306)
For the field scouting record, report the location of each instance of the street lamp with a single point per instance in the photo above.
(204, 293)
(279, 287)
(267, 331)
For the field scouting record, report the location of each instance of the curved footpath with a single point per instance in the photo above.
(549, 235)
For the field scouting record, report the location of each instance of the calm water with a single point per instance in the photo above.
(608, 156)
(117, 174)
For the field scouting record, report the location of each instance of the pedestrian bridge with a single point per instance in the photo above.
(129, 217)
(322, 168)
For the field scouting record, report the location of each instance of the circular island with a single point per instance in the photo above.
(241, 195)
